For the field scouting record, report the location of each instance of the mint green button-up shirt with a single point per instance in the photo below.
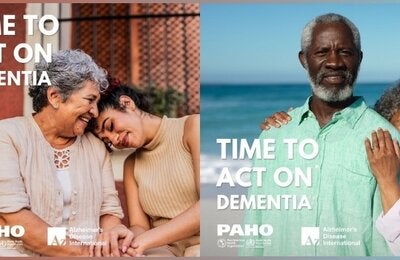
(342, 198)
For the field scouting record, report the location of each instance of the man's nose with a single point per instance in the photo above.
(334, 60)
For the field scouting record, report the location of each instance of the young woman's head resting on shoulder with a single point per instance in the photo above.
(120, 121)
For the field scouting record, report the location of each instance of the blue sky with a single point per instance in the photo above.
(259, 42)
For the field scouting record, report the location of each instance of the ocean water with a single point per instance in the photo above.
(236, 111)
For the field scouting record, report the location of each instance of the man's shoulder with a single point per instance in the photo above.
(290, 127)
(371, 120)
(297, 112)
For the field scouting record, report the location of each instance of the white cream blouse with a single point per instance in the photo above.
(27, 178)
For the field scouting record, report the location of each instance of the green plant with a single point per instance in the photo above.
(167, 101)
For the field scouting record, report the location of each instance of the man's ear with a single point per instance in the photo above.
(302, 59)
(53, 97)
(126, 102)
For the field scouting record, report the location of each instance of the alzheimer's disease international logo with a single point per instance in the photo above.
(56, 236)
(310, 236)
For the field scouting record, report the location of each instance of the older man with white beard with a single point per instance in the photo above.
(342, 196)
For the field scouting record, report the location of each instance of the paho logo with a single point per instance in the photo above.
(245, 230)
(309, 236)
(56, 236)
(12, 231)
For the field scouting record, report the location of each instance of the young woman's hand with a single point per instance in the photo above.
(107, 241)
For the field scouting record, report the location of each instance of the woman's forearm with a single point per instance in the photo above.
(35, 238)
(109, 221)
(390, 194)
(182, 226)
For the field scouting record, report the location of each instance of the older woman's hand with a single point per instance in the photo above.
(383, 156)
(108, 241)
(384, 160)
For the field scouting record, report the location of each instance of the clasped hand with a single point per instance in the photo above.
(112, 242)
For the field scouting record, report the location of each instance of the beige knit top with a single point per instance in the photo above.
(164, 173)
(27, 176)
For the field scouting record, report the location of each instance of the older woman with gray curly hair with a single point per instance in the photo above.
(55, 174)
(388, 105)
(384, 160)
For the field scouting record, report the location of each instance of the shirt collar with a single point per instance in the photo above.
(350, 114)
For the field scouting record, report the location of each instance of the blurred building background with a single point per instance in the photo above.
(148, 45)
(152, 46)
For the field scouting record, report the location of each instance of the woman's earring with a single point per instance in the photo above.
(55, 106)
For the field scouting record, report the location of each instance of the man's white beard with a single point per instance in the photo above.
(329, 94)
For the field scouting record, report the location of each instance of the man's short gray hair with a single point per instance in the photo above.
(389, 103)
(67, 71)
(308, 30)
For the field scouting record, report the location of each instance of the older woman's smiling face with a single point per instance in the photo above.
(81, 106)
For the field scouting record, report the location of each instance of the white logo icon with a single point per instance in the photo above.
(309, 236)
(56, 236)
(221, 243)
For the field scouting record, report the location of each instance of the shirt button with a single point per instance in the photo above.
(75, 192)
(74, 212)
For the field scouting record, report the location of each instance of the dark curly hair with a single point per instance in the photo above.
(110, 99)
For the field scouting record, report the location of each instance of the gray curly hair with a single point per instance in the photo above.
(389, 103)
(308, 30)
(67, 71)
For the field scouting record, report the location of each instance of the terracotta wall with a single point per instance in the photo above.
(11, 97)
